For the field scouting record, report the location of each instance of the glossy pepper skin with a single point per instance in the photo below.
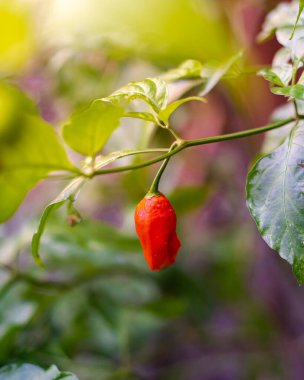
(155, 223)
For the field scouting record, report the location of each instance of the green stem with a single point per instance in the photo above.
(189, 143)
(295, 66)
(239, 135)
(154, 187)
(297, 20)
(296, 108)
(175, 135)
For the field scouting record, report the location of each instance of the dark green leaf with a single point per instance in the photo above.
(154, 91)
(89, 130)
(15, 309)
(275, 198)
(33, 152)
(32, 372)
(69, 193)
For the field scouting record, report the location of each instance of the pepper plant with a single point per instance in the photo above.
(275, 194)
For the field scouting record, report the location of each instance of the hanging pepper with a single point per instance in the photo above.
(155, 223)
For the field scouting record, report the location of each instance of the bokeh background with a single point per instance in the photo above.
(230, 308)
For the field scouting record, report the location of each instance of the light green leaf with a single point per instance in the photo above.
(275, 198)
(69, 193)
(28, 157)
(189, 69)
(32, 372)
(284, 15)
(167, 112)
(147, 116)
(89, 130)
(287, 22)
(280, 76)
(154, 91)
(13, 105)
(213, 74)
(295, 92)
(37, 236)
(301, 7)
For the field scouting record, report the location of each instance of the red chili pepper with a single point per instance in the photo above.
(155, 222)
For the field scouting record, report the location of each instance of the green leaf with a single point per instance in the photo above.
(213, 74)
(91, 246)
(298, 268)
(167, 112)
(32, 372)
(284, 15)
(147, 116)
(69, 193)
(280, 76)
(154, 91)
(89, 130)
(190, 69)
(295, 92)
(287, 22)
(28, 157)
(275, 198)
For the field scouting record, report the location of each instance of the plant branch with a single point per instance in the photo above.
(190, 143)
(154, 187)
(239, 135)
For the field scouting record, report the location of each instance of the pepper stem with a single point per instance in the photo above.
(154, 187)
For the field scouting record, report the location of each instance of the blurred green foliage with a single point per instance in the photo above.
(17, 42)
(102, 314)
(156, 30)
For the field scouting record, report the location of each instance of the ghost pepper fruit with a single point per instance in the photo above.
(155, 223)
